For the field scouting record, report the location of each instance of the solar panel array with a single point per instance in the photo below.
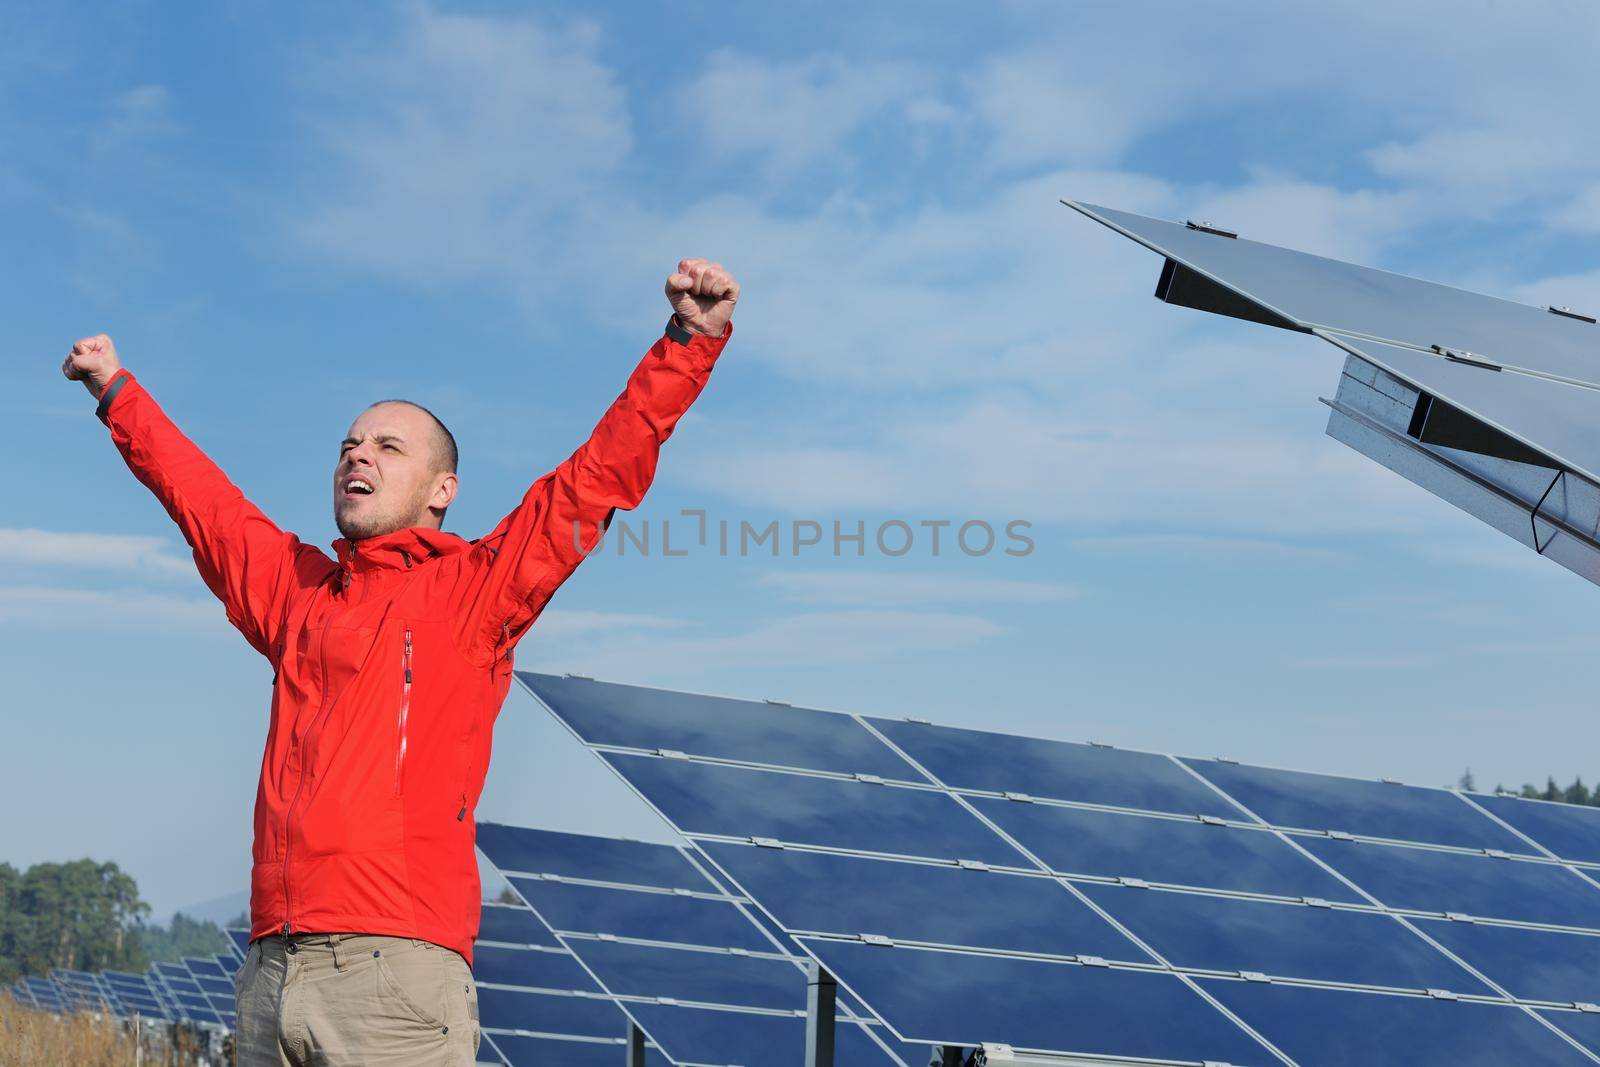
(974, 888)
(1485, 402)
(651, 932)
(195, 990)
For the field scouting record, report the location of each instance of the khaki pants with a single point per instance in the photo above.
(354, 1000)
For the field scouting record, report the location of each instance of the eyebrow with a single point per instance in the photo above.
(382, 438)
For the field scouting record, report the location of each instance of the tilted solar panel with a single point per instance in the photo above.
(684, 958)
(1316, 292)
(1187, 910)
(536, 1005)
(240, 940)
(1483, 402)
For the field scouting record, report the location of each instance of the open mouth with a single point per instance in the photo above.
(358, 487)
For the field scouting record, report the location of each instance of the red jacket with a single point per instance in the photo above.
(392, 659)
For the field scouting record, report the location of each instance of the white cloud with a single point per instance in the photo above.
(797, 114)
(883, 590)
(455, 143)
(987, 352)
(1580, 292)
(142, 113)
(1280, 209)
(78, 608)
(823, 638)
(1190, 545)
(561, 623)
(93, 551)
(1041, 108)
(1580, 214)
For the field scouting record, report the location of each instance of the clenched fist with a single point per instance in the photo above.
(93, 361)
(702, 294)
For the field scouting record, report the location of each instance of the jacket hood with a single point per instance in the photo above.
(398, 550)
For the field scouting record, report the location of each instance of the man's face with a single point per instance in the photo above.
(389, 475)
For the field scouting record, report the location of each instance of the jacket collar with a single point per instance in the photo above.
(399, 550)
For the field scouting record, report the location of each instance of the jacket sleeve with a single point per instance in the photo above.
(519, 566)
(250, 564)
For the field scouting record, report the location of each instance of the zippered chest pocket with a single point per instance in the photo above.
(402, 717)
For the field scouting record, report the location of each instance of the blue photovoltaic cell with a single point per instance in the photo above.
(240, 939)
(708, 799)
(1003, 763)
(604, 713)
(705, 977)
(964, 999)
(514, 1009)
(1425, 880)
(599, 859)
(1372, 809)
(520, 1050)
(1348, 1028)
(514, 924)
(648, 916)
(1315, 291)
(822, 893)
(204, 967)
(746, 1038)
(1282, 940)
(1173, 851)
(1571, 831)
(1530, 964)
(529, 967)
(1583, 1026)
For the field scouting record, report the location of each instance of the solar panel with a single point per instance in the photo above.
(682, 956)
(1386, 810)
(536, 1005)
(1570, 831)
(1310, 291)
(1295, 918)
(1348, 1028)
(134, 993)
(1483, 402)
(527, 1050)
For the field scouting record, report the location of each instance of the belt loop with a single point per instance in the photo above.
(339, 959)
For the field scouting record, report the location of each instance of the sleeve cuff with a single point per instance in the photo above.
(680, 334)
(113, 387)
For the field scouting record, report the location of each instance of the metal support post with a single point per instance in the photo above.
(821, 998)
(635, 1045)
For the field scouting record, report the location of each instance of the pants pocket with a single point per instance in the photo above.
(241, 977)
(416, 982)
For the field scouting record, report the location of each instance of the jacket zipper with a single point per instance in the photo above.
(299, 786)
(405, 710)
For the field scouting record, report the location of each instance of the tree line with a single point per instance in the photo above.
(1576, 793)
(87, 916)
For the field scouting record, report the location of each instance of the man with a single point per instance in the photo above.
(390, 662)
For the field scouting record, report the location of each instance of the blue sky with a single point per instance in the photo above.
(281, 213)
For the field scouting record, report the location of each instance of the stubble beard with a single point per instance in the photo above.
(377, 523)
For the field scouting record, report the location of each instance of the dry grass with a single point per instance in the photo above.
(30, 1038)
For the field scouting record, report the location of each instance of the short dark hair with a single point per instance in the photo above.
(449, 456)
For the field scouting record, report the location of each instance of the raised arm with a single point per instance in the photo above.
(250, 564)
(520, 565)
